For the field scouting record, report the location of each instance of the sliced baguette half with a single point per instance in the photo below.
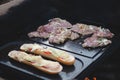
(47, 66)
(49, 52)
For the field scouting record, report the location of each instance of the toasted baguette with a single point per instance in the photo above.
(49, 52)
(47, 66)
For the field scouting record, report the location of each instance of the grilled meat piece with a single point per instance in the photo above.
(34, 34)
(102, 32)
(84, 29)
(74, 36)
(37, 34)
(46, 28)
(60, 23)
(53, 25)
(95, 42)
(59, 35)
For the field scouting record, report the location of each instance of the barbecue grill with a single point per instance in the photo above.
(25, 16)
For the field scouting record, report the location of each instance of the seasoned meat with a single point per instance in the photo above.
(34, 34)
(74, 36)
(84, 29)
(46, 28)
(102, 32)
(37, 34)
(59, 36)
(53, 26)
(60, 23)
(59, 30)
(95, 42)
